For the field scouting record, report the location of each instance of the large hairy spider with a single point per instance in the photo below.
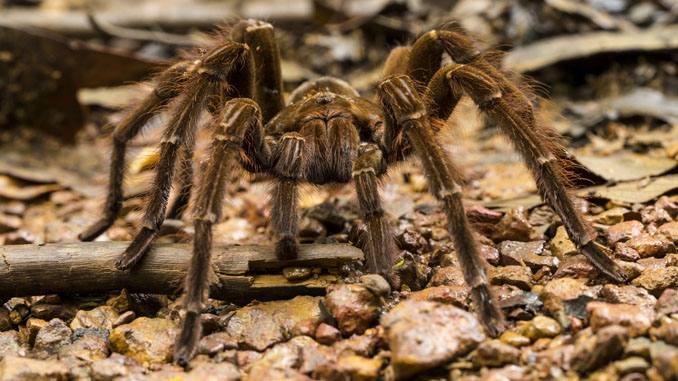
(328, 133)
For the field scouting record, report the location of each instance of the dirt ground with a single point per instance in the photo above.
(600, 72)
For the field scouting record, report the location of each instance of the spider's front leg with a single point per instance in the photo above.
(288, 163)
(225, 65)
(405, 109)
(240, 119)
(380, 246)
(499, 99)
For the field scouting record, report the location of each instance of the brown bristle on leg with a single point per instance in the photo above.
(405, 107)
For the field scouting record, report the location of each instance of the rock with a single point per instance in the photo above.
(327, 334)
(656, 280)
(284, 357)
(5, 321)
(362, 345)
(110, 369)
(455, 295)
(527, 253)
(670, 231)
(630, 365)
(19, 313)
(213, 372)
(576, 266)
(560, 294)
(592, 352)
(667, 332)
(24, 369)
(489, 253)
(447, 276)
(146, 340)
(625, 253)
(636, 319)
(353, 306)
(217, 342)
(539, 327)
(124, 318)
(422, 335)
(624, 231)
(9, 344)
(519, 276)
(514, 339)
(376, 283)
(668, 302)
(627, 294)
(610, 216)
(89, 344)
(31, 329)
(357, 368)
(514, 226)
(296, 274)
(650, 245)
(561, 246)
(9, 223)
(52, 337)
(494, 353)
(519, 249)
(261, 325)
(100, 317)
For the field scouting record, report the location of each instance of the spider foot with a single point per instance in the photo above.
(136, 250)
(487, 308)
(599, 256)
(187, 342)
(96, 229)
(287, 248)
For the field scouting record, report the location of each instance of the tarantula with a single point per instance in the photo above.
(327, 133)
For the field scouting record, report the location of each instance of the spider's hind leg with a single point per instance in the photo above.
(404, 108)
(167, 88)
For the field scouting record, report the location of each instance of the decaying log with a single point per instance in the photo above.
(240, 273)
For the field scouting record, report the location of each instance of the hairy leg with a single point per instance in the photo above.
(229, 60)
(543, 155)
(240, 115)
(185, 174)
(380, 248)
(268, 90)
(167, 88)
(404, 107)
(288, 165)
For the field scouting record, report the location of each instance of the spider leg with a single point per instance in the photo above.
(404, 107)
(185, 173)
(230, 60)
(288, 165)
(499, 99)
(268, 88)
(240, 115)
(169, 83)
(396, 62)
(380, 248)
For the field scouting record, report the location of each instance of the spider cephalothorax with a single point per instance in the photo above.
(327, 133)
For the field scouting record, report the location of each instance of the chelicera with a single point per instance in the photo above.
(327, 133)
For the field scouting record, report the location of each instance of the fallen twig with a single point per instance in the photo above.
(553, 50)
(238, 272)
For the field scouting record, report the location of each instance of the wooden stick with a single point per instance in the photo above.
(239, 273)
